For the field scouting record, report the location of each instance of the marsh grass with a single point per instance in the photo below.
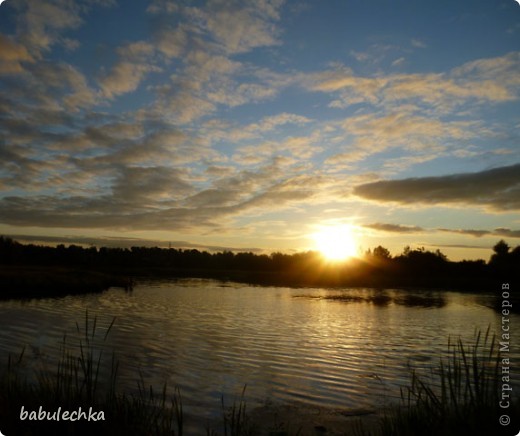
(235, 418)
(81, 379)
(461, 396)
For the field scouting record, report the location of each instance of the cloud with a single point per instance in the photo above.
(40, 26)
(508, 233)
(209, 76)
(208, 81)
(399, 228)
(465, 246)
(394, 228)
(66, 84)
(238, 26)
(288, 150)
(413, 113)
(171, 42)
(160, 198)
(268, 124)
(12, 56)
(482, 81)
(45, 87)
(399, 61)
(124, 77)
(219, 171)
(162, 6)
(417, 43)
(150, 186)
(475, 233)
(376, 54)
(275, 123)
(423, 138)
(290, 190)
(497, 189)
(41, 23)
(135, 61)
(378, 133)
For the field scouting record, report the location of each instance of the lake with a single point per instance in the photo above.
(340, 348)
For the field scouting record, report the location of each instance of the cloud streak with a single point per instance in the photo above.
(393, 228)
(402, 229)
(497, 189)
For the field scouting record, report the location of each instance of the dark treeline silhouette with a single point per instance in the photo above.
(377, 268)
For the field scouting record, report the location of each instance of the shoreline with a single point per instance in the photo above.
(32, 281)
(37, 281)
(25, 282)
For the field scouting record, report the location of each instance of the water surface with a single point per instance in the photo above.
(347, 348)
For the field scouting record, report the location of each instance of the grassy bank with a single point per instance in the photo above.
(461, 396)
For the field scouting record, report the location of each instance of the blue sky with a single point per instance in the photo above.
(247, 125)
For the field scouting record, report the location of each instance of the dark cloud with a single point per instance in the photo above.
(103, 212)
(159, 198)
(476, 233)
(497, 189)
(508, 233)
(398, 228)
(476, 247)
(151, 184)
(394, 228)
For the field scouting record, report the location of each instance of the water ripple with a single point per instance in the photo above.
(326, 347)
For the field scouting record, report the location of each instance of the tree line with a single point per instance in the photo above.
(377, 267)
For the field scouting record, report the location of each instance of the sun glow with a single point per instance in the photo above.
(336, 242)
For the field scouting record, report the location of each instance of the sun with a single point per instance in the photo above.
(336, 242)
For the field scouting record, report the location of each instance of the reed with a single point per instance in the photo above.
(461, 396)
(235, 418)
(80, 379)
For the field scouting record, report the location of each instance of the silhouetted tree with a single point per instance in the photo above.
(501, 252)
(414, 267)
(501, 248)
(381, 253)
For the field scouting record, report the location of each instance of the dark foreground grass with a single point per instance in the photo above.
(81, 381)
(461, 397)
(77, 384)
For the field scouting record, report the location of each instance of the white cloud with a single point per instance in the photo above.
(417, 43)
(485, 81)
(163, 6)
(40, 22)
(240, 26)
(124, 77)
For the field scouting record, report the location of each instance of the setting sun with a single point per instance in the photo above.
(336, 242)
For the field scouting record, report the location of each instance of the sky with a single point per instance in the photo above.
(250, 125)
